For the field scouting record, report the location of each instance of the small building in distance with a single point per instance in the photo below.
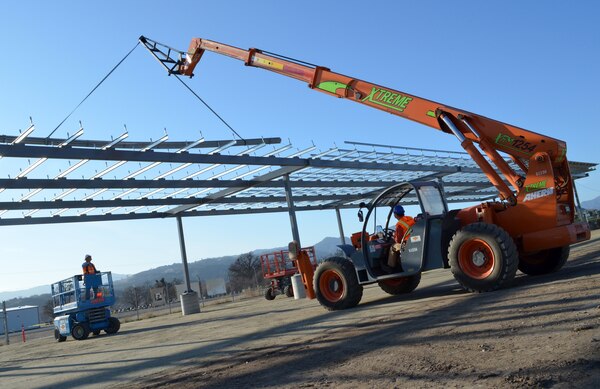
(159, 297)
(195, 285)
(216, 287)
(26, 316)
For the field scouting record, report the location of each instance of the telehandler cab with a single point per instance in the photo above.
(435, 241)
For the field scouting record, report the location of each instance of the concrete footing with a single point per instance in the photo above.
(298, 286)
(189, 303)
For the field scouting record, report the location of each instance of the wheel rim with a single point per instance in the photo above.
(331, 285)
(78, 332)
(476, 258)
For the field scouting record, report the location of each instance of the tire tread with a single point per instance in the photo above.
(508, 252)
(354, 290)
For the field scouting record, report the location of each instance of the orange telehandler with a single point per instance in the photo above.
(531, 228)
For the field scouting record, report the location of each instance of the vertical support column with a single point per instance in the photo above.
(291, 209)
(183, 254)
(7, 340)
(189, 298)
(582, 214)
(440, 181)
(340, 227)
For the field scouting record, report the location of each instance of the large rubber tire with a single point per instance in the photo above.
(59, 338)
(400, 285)
(269, 295)
(114, 325)
(483, 257)
(288, 291)
(80, 331)
(336, 285)
(545, 261)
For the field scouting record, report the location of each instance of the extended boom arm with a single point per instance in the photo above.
(522, 143)
(542, 158)
(468, 127)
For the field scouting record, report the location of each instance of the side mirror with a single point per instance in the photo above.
(360, 212)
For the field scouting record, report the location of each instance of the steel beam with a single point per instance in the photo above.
(291, 210)
(186, 272)
(139, 145)
(145, 202)
(269, 177)
(24, 151)
(65, 183)
(340, 226)
(582, 215)
(189, 201)
(161, 215)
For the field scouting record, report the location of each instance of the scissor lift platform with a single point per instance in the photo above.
(78, 313)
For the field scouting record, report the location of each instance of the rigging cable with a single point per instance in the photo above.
(208, 106)
(92, 91)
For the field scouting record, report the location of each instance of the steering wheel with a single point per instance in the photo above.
(389, 234)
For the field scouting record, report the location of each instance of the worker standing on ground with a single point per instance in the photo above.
(89, 270)
(402, 232)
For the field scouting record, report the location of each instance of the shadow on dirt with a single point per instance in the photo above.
(339, 343)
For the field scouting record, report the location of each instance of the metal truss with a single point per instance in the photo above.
(95, 180)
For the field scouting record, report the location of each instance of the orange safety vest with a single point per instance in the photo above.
(404, 224)
(89, 268)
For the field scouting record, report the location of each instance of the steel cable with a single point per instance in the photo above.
(92, 91)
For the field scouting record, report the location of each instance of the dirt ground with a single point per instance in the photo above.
(540, 332)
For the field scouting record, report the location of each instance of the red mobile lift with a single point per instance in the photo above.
(279, 268)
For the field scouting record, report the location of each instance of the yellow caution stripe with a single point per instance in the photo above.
(267, 63)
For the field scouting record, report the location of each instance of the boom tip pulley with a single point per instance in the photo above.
(170, 58)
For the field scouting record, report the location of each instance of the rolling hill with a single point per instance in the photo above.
(591, 204)
(204, 269)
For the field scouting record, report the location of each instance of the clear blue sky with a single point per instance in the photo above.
(529, 63)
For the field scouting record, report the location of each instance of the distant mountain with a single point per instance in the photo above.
(591, 204)
(211, 268)
(25, 293)
(328, 247)
(40, 290)
(204, 269)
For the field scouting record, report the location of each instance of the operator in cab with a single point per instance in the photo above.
(401, 234)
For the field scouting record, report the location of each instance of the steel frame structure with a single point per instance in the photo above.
(246, 180)
(219, 177)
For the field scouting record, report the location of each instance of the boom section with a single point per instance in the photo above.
(538, 211)
(492, 134)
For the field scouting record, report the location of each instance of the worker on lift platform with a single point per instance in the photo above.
(91, 277)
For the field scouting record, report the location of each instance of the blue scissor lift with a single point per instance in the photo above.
(79, 315)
